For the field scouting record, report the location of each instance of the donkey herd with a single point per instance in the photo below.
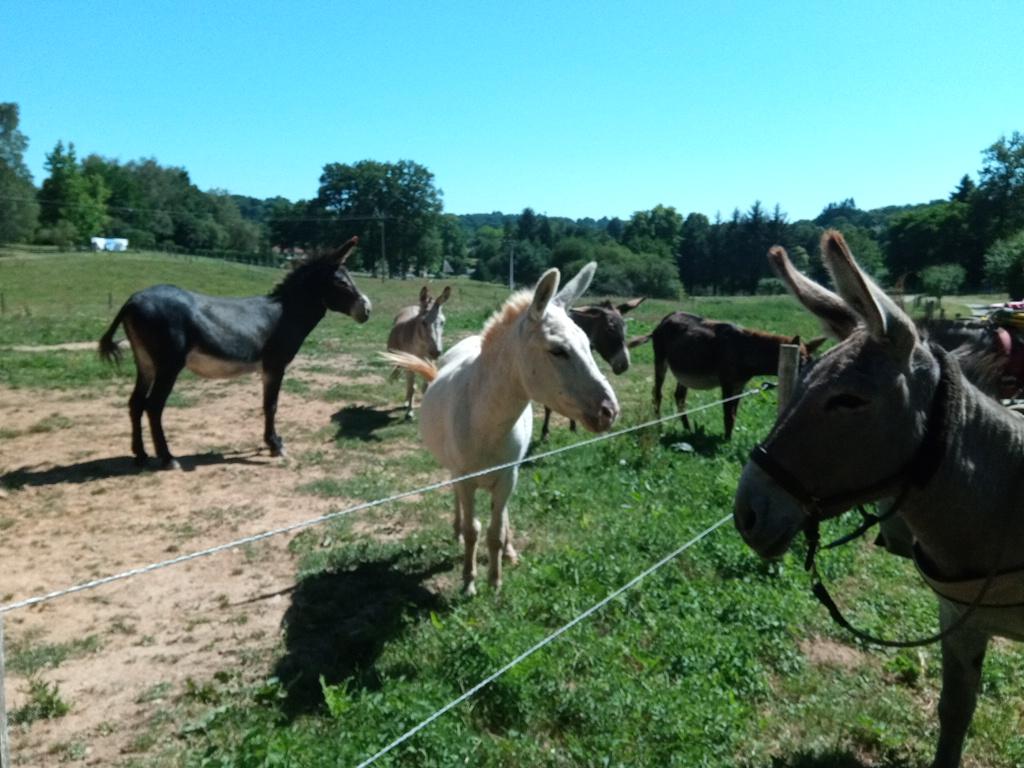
(893, 413)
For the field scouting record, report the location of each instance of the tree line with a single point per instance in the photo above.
(973, 239)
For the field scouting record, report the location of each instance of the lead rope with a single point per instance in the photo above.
(821, 591)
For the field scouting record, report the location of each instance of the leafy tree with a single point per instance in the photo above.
(941, 280)
(401, 194)
(526, 225)
(1004, 265)
(19, 211)
(697, 268)
(843, 214)
(429, 253)
(654, 231)
(964, 190)
(68, 195)
(454, 249)
(488, 249)
(1000, 193)
(621, 271)
(938, 233)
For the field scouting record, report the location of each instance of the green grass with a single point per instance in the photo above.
(44, 703)
(701, 665)
(27, 657)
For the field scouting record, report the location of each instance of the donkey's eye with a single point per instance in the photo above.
(559, 352)
(845, 402)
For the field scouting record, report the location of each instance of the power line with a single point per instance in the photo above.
(185, 212)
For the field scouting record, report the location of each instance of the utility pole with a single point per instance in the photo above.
(383, 252)
(511, 265)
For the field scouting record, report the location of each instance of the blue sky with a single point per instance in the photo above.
(572, 108)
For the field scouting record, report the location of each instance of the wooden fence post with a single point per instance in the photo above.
(789, 357)
(5, 747)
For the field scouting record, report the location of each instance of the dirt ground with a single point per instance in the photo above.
(76, 508)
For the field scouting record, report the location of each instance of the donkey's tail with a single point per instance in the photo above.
(636, 341)
(109, 349)
(424, 368)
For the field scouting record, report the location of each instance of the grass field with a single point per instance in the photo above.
(717, 659)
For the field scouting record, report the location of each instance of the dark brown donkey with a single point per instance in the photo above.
(605, 326)
(704, 354)
(170, 328)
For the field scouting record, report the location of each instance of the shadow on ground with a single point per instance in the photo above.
(698, 440)
(360, 422)
(830, 759)
(117, 466)
(339, 622)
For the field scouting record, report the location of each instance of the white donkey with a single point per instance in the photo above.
(476, 411)
(419, 330)
(883, 415)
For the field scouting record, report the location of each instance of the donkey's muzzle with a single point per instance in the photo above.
(607, 412)
(620, 363)
(361, 310)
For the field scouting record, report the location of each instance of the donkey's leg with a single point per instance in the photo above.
(730, 408)
(499, 533)
(271, 389)
(470, 533)
(162, 386)
(136, 406)
(457, 519)
(681, 392)
(660, 366)
(963, 653)
(410, 388)
(544, 430)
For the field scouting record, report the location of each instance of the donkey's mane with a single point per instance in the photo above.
(318, 267)
(506, 315)
(781, 338)
(747, 332)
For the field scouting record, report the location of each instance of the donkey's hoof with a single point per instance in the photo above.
(469, 589)
(278, 451)
(170, 463)
(510, 554)
(141, 461)
(408, 415)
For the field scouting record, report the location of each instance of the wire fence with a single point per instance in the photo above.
(297, 526)
(547, 640)
(300, 525)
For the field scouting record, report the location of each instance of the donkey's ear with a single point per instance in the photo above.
(543, 293)
(885, 321)
(577, 286)
(445, 295)
(630, 305)
(836, 318)
(341, 255)
(812, 345)
(424, 296)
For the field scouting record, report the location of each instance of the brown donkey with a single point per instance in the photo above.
(703, 354)
(419, 330)
(605, 326)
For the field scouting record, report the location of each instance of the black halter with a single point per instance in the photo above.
(916, 473)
